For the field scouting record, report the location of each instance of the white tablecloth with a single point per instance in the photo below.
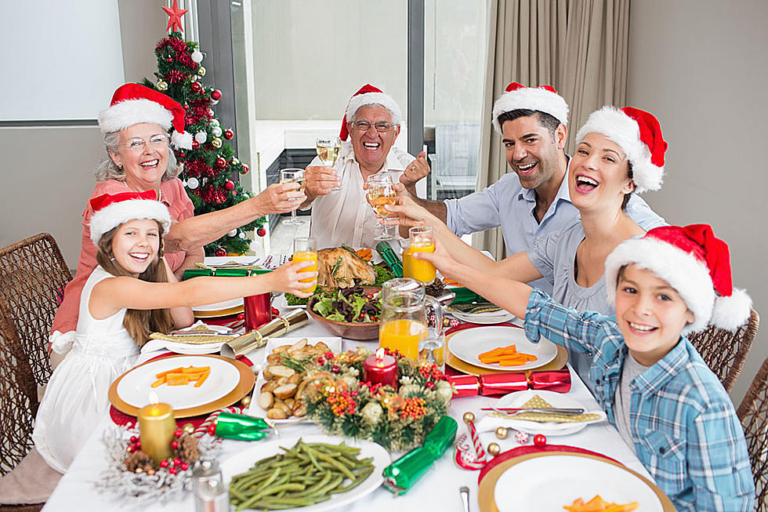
(438, 489)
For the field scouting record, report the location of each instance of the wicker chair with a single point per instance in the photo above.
(33, 275)
(725, 352)
(753, 413)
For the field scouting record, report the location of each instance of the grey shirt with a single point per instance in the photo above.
(623, 398)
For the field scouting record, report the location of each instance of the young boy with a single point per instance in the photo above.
(654, 386)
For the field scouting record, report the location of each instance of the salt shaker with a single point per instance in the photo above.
(210, 493)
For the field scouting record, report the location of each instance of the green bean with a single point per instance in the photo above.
(340, 467)
(365, 474)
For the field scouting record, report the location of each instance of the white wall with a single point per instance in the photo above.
(700, 66)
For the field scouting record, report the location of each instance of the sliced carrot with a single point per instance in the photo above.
(175, 370)
(202, 379)
(196, 369)
(177, 379)
(159, 382)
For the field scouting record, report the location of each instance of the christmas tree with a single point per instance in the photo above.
(210, 168)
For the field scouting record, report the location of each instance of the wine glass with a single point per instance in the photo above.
(381, 192)
(293, 176)
(328, 150)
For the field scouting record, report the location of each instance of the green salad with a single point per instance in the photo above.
(348, 305)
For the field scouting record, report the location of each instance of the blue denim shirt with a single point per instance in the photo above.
(683, 424)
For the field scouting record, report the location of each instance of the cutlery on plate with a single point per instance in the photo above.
(464, 491)
(566, 411)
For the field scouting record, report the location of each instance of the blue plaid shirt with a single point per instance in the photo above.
(683, 424)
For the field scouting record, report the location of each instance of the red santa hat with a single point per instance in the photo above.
(369, 95)
(638, 133)
(111, 210)
(519, 97)
(695, 263)
(133, 104)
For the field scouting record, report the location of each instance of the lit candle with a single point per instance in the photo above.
(380, 369)
(157, 427)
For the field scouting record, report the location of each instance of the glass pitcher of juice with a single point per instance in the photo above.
(404, 323)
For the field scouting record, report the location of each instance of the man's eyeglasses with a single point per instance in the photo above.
(156, 142)
(364, 126)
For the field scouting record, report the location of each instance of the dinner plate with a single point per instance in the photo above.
(467, 345)
(550, 481)
(558, 400)
(181, 347)
(244, 460)
(225, 308)
(135, 386)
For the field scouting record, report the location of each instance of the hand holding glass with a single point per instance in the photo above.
(422, 240)
(293, 176)
(381, 192)
(328, 150)
(305, 249)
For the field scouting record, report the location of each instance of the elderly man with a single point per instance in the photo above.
(533, 200)
(372, 124)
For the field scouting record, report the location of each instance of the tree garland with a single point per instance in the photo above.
(398, 420)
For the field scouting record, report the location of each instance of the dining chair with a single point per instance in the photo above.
(725, 352)
(33, 275)
(753, 413)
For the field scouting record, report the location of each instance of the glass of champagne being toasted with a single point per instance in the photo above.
(305, 249)
(381, 192)
(328, 150)
(293, 176)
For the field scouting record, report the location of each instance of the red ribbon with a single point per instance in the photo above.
(497, 384)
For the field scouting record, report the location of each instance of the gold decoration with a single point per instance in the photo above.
(246, 401)
(216, 142)
(162, 85)
(188, 428)
(201, 71)
(494, 449)
(502, 432)
(235, 161)
(468, 417)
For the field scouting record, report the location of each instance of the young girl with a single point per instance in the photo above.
(129, 295)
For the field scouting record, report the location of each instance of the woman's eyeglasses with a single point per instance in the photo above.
(137, 145)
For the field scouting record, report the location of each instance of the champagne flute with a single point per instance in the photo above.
(381, 192)
(293, 176)
(328, 150)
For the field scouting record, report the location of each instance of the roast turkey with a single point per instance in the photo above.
(338, 267)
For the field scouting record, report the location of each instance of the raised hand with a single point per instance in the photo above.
(319, 180)
(279, 198)
(409, 213)
(415, 171)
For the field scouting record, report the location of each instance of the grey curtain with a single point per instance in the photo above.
(578, 46)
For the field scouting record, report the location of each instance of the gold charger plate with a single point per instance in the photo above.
(558, 363)
(243, 388)
(487, 487)
(234, 310)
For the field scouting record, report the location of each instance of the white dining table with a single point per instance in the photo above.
(438, 489)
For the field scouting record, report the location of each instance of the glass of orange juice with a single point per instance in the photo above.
(422, 240)
(407, 262)
(305, 249)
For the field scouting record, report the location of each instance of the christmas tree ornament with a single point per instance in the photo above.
(211, 113)
(196, 87)
(502, 432)
(261, 231)
(229, 185)
(232, 233)
(245, 169)
(195, 144)
(235, 161)
(216, 142)
(174, 17)
(201, 71)
(194, 78)
(468, 417)
(197, 57)
(521, 437)
(216, 130)
(186, 106)
(169, 59)
(201, 137)
(494, 449)
(215, 122)
(216, 95)
(241, 235)
(221, 162)
(162, 85)
(228, 134)
(192, 183)
(221, 252)
(188, 428)
(181, 154)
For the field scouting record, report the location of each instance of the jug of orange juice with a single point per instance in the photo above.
(404, 324)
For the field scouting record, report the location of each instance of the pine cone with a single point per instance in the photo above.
(138, 459)
(188, 450)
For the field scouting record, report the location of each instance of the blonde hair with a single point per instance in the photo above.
(139, 323)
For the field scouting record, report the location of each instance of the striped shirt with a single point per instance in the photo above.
(683, 424)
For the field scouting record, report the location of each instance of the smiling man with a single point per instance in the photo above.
(369, 129)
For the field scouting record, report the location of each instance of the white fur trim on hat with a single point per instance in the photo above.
(732, 312)
(109, 217)
(375, 98)
(128, 113)
(686, 274)
(181, 140)
(623, 130)
(530, 98)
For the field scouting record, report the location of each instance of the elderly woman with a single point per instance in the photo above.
(139, 158)
(618, 152)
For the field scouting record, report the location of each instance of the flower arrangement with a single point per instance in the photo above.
(397, 419)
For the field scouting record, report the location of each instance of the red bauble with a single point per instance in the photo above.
(216, 94)
(212, 426)
(182, 154)
(228, 134)
(221, 252)
(221, 162)
(245, 169)
(539, 440)
(261, 231)
(169, 59)
(186, 106)
(196, 87)
(229, 185)
(241, 317)
(195, 144)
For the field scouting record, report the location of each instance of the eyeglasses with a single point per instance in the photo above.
(364, 126)
(137, 145)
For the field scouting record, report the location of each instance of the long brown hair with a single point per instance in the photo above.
(139, 323)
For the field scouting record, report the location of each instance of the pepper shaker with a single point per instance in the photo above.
(210, 493)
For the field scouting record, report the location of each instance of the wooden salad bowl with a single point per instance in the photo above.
(350, 330)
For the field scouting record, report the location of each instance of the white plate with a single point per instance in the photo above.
(470, 343)
(555, 400)
(181, 348)
(550, 482)
(334, 344)
(219, 306)
(243, 461)
(488, 318)
(135, 386)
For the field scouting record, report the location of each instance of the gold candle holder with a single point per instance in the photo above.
(157, 427)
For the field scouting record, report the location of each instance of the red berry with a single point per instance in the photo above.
(138, 445)
(173, 471)
(354, 393)
(175, 445)
(320, 361)
(184, 466)
(130, 449)
(177, 461)
(212, 429)
(275, 312)
(134, 439)
(335, 369)
(241, 316)
(539, 440)
(164, 463)
(178, 433)
(430, 385)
